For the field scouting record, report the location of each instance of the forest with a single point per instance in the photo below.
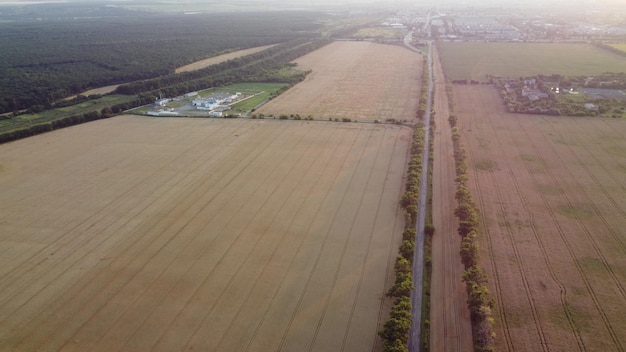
(48, 60)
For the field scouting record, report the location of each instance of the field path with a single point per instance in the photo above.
(450, 323)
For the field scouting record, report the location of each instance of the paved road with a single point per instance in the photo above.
(418, 258)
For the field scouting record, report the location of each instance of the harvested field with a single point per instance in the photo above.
(355, 80)
(552, 194)
(220, 58)
(138, 233)
(474, 60)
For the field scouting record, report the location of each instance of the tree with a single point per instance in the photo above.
(469, 249)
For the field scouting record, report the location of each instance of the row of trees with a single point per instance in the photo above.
(259, 67)
(395, 333)
(70, 120)
(479, 300)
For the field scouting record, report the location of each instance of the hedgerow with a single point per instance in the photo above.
(479, 300)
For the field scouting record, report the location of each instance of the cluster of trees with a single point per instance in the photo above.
(479, 300)
(51, 60)
(395, 332)
(609, 48)
(563, 103)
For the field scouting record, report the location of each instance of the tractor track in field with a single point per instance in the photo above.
(103, 285)
(516, 251)
(210, 312)
(312, 271)
(544, 250)
(54, 246)
(577, 264)
(299, 248)
(344, 248)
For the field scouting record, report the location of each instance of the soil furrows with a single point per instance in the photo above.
(81, 242)
(193, 240)
(99, 289)
(302, 310)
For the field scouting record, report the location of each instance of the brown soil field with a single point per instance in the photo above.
(552, 195)
(152, 234)
(220, 58)
(355, 80)
(450, 323)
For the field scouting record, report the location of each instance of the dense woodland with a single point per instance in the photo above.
(44, 61)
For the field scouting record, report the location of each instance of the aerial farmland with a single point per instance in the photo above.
(270, 234)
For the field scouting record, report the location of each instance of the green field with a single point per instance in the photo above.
(620, 46)
(266, 89)
(474, 60)
(380, 32)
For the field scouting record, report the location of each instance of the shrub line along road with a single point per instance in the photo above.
(418, 257)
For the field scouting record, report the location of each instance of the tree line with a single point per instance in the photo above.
(479, 299)
(259, 67)
(395, 333)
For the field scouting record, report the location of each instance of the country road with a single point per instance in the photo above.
(450, 323)
(418, 258)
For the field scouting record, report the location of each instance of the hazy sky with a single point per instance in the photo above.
(461, 3)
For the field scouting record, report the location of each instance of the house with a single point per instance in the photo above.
(533, 94)
(162, 101)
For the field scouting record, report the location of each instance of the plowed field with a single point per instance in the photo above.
(138, 233)
(355, 80)
(552, 195)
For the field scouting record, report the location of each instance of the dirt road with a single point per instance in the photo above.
(449, 317)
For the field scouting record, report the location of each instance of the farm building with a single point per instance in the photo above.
(162, 101)
(604, 93)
